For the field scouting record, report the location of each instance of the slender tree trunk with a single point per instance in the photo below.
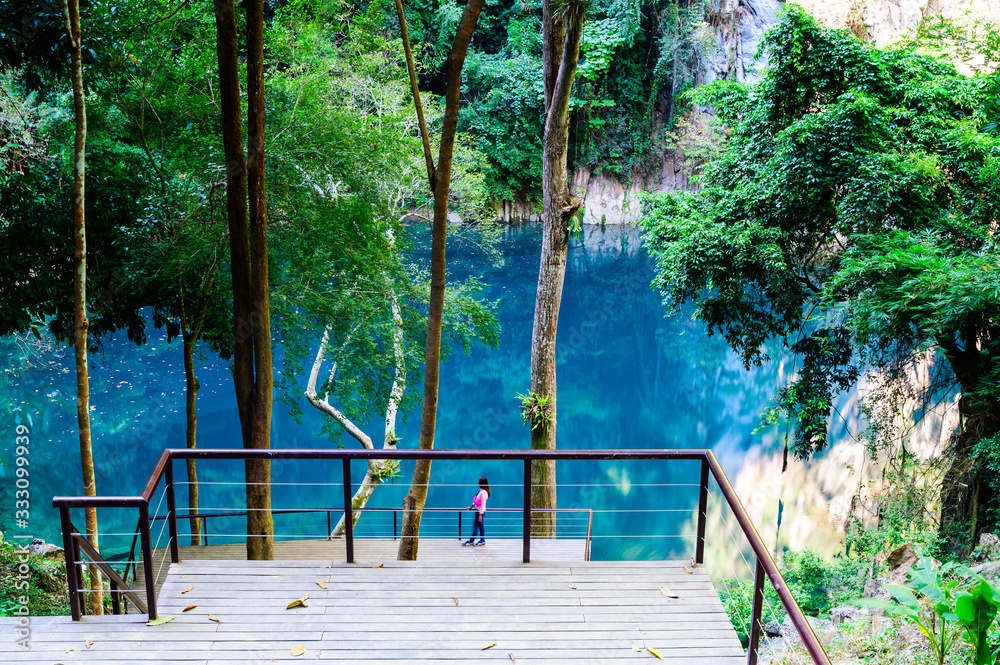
(71, 10)
(440, 183)
(373, 477)
(252, 370)
(561, 44)
(260, 524)
(190, 338)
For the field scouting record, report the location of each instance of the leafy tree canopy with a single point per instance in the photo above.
(852, 214)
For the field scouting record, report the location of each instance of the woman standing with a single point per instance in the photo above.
(479, 503)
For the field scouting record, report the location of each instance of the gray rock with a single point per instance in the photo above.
(820, 626)
(41, 548)
(989, 546)
(901, 558)
(875, 589)
(990, 570)
(773, 629)
(847, 614)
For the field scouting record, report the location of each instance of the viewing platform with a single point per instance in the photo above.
(521, 598)
(447, 607)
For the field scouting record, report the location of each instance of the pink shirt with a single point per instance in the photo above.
(480, 501)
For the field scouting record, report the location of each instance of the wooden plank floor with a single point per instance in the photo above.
(368, 549)
(445, 609)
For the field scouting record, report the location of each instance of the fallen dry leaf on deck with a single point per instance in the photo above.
(488, 646)
(211, 617)
(687, 570)
(159, 622)
(654, 652)
(298, 602)
(189, 608)
(694, 564)
(509, 654)
(378, 566)
(635, 648)
(298, 650)
(74, 649)
(321, 584)
(455, 599)
(187, 589)
(90, 643)
(668, 593)
(572, 586)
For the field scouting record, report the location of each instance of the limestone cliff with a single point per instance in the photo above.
(732, 32)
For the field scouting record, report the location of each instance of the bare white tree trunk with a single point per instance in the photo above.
(376, 469)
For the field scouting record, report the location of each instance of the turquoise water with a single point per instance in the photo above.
(628, 378)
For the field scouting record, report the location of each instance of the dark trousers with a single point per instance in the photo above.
(477, 525)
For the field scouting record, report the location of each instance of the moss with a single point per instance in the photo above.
(42, 582)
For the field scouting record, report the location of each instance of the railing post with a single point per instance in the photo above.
(146, 544)
(756, 617)
(116, 606)
(460, 525)
(204, 529)
(699, 555)
(348, 512)
(329, 526)
(175, 556)
(394, 525)
(81, 596)
(526, 538)
(71, 582)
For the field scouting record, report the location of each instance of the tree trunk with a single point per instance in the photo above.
(561, 43)
(440, 183)
(260, 524)
(191, 402)
(252, 370)
(71, 10)
(963, 490)
(373, 476)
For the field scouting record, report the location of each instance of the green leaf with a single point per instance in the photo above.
(903, 595)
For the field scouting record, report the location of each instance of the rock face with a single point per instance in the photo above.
(899, 561)
(739, 26)
(732, 34)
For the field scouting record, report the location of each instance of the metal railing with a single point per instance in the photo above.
(395, 519)
(766, 568)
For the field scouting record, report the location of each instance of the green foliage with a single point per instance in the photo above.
(385, 470)
(737, 600)
(987, 453)
(341, 254)
(40, 581)
(946, 602)
(816, 584)
(636, 58)
(903, 517)
(850, 216)
(536, 410)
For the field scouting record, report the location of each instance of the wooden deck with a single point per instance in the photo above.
(369, 549)
(446, 608)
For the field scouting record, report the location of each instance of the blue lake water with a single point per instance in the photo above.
(628, 377)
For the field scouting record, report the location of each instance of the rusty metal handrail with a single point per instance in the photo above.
(766, 567)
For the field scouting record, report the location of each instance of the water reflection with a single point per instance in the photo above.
(628, 378)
